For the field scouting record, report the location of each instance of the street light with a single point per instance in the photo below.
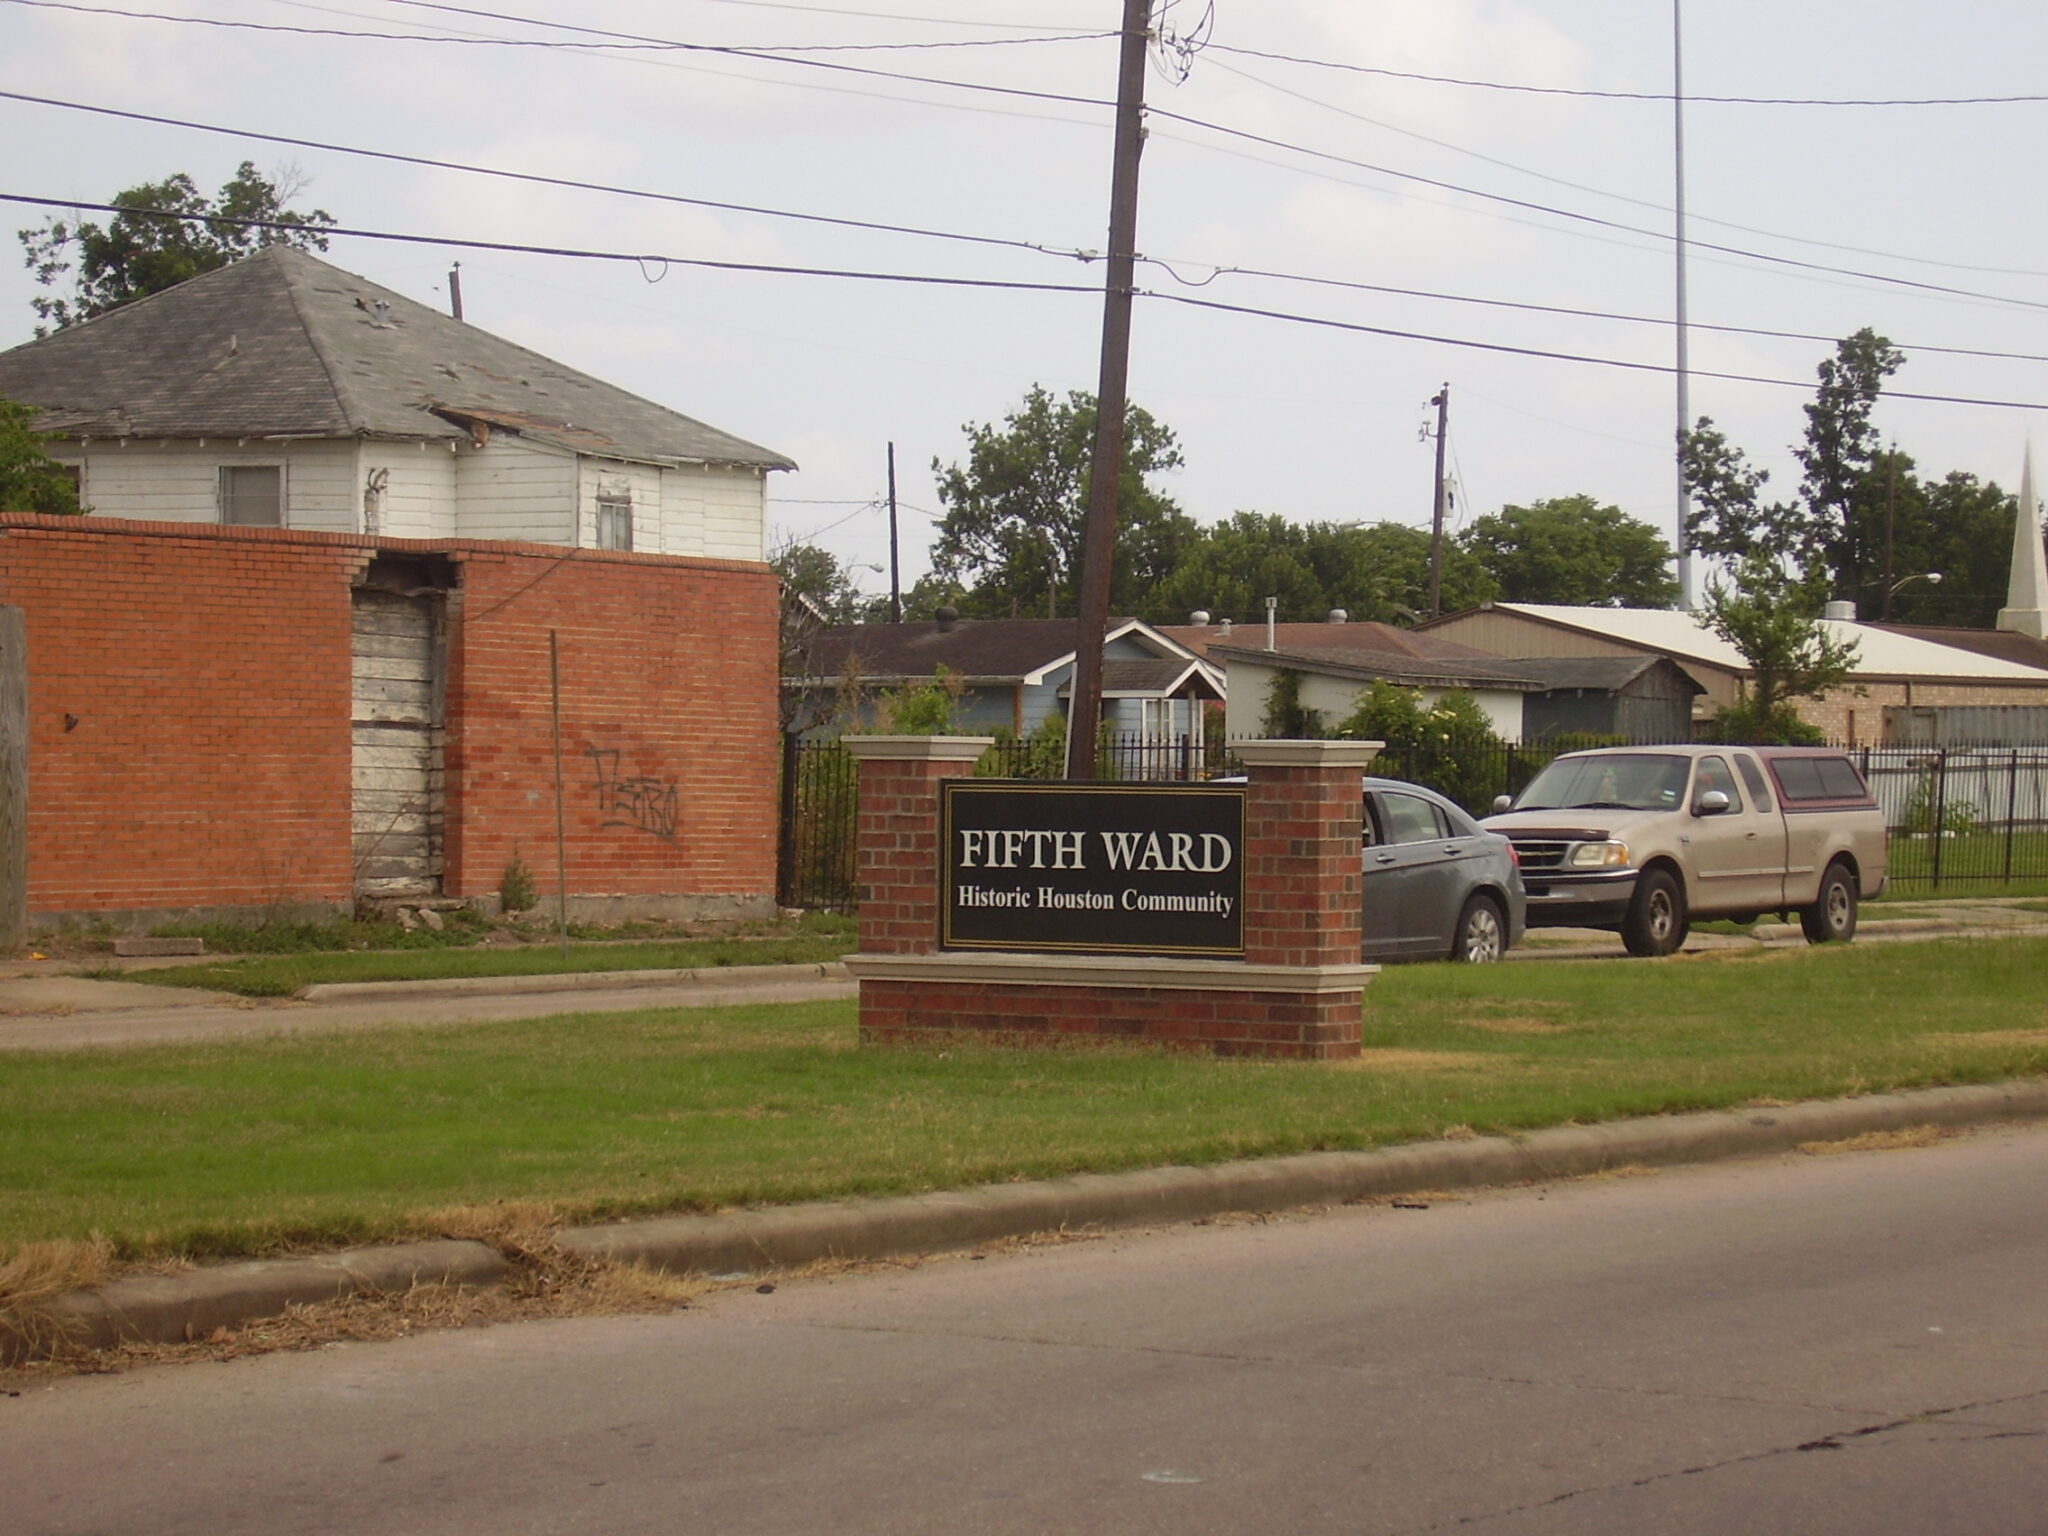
(1931, 577)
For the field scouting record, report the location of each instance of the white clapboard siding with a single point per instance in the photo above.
(397, 745)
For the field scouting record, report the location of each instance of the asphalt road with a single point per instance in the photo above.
(1849, 1344)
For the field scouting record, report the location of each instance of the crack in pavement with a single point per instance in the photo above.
(1830, 1442)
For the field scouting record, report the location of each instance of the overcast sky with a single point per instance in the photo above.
(1555, 197)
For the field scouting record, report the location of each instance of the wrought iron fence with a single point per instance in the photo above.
(1961, 818)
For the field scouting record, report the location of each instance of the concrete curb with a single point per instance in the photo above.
(572, 981)
(174, 1308)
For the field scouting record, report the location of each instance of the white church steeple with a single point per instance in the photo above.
(2026, 593)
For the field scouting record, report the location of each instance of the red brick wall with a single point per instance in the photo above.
(669, 747)
(189, 703)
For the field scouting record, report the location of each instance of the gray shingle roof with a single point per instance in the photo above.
(282, 343)
(1369, 663)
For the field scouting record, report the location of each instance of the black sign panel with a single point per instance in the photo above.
(1092, 868)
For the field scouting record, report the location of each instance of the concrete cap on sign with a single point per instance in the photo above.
(1308, 754)
(918, 749)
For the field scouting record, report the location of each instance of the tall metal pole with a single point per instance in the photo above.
(895, 568)
(1098, 540)
(1683, 542)
(1436, 523)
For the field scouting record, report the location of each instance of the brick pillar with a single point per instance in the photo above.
(1302, 810)
(896, 866)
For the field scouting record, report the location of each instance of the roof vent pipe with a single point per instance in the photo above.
(1223, 627)
(1199, 617)
(947, 618)
(1339, 616)
(1840, 612)
(1272, 607)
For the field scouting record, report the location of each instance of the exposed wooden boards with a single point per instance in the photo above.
(397, 735)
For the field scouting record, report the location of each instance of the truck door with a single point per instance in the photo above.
(1733, 851)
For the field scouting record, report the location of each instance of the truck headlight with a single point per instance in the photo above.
(1600, 856)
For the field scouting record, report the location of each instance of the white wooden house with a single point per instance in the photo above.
(282, 391)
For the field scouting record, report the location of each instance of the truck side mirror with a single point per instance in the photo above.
(1714, 802)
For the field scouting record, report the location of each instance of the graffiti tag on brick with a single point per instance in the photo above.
(643, 802)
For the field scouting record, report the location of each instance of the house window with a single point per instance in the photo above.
(252, 495)
(614, 520)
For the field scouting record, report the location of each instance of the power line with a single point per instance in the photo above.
(482, 41)
(1658, 96)
(821, 10)
(533, 178)
(1549, 356)
(1620, 197)
(1583, 218)
(1200, 123)
(643, 258)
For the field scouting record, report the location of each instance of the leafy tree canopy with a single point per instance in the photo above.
(814, 581)
(135, 253)
(1826, 530)
(1010, 541)
(1773, 619)
(1377, 573)
(1574, 550)
(30, 480)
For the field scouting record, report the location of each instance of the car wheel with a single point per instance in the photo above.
(1482, 934)
(1656, 923)
(1832, 919)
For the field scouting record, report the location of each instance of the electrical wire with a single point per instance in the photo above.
(1620, 197)
(1658, 96)
(485, 41)
(929, 280)
(535, 179)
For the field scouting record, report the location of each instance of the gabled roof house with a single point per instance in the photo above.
(282, 391)
(1013, 673)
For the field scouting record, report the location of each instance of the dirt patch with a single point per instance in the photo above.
(1879, 1141)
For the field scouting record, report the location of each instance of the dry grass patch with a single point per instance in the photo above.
(33, 1277)
(1879, 1141)
(1515, 1025)
(1393, 1059)
(1990, 1037)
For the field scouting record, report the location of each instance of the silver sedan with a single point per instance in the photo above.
(1436, 884)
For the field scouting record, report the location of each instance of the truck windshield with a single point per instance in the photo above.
(1632, 781)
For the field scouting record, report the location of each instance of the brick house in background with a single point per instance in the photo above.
(249, 694)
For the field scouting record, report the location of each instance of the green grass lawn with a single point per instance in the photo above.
(284, 974)
(253, 1146)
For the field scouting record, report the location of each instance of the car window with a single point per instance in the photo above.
(1637, 781)
(1753, 776)
(1410, 819)
(1713, 774)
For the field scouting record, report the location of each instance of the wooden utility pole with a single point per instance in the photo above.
(1442, 402)
(1098, 540)
(895, 568)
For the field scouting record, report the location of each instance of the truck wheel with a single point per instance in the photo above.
(1482, 934)
(1656, 923)
(1832, 918)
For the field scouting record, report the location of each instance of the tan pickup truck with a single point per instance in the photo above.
(1644, 839)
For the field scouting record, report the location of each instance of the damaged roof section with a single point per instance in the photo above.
(283, 344)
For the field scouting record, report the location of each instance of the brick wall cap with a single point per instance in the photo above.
(1308, 754)
(1119, 971)
(917, 749)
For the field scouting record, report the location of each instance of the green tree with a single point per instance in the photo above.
(1958, 526)
(30, 480)
(1378, 573)
(1773, 620)
(1573, 550)
(815, 581)
(166, 232)
(1824, 531)
(1011, 536)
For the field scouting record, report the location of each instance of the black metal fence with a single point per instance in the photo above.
(1962, 819)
